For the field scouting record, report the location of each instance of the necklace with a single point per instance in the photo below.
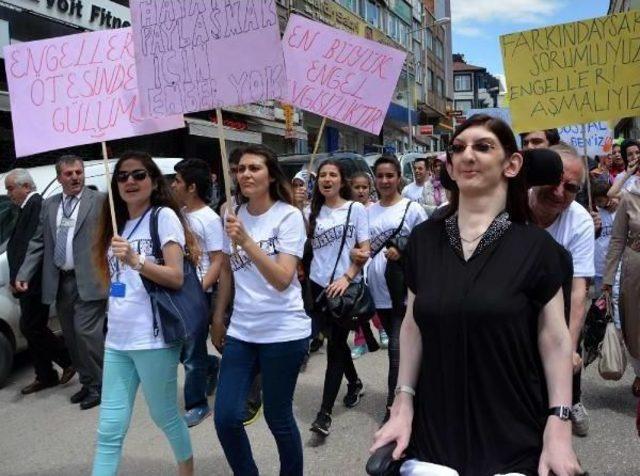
(475, 239)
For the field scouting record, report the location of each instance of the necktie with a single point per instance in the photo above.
(60, 252)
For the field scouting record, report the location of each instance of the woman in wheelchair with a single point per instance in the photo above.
(484, 386)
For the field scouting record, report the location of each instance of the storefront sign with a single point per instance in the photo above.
(195, 56)
(88, 14)
(74, 90)
(344, 77)
(334, 14)
(573, 73)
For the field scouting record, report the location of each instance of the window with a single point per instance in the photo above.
(430, 79)
(353, 5)
(462, 82)
(403, 35)
(429, 39)
(464, 105)
(439, 49)
(372, 13)
(392, 25)
(440, 86)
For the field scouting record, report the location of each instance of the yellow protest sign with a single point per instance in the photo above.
(573, 73)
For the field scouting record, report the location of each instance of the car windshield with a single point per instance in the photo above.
(8, 218)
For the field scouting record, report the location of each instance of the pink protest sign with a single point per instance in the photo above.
(196, 55)
(74, 90)
(338, 75)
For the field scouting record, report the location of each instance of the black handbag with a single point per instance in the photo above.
(355, 306)
(183, 312)
(595, 324)
(394, 271)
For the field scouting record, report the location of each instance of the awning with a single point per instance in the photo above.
(204, 128)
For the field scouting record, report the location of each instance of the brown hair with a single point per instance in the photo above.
(162, 196)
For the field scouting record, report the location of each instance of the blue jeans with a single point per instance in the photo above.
(124, 371)
(279, 364)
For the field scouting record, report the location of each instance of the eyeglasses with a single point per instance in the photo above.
(460, 147)
(137, 175)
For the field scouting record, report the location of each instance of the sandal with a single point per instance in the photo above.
(635, 387)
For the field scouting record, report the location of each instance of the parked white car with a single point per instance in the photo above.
(11, 339)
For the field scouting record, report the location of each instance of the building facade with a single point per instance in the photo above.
(474, 87)
(627, 127)
(420, 97)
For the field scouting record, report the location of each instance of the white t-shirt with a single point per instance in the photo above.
(413, 192)
(383, 221)
(130, 320)
(574, 230)
(602, 242)
(330, 225)
(207, 226)
(261, 313)
(629, 184)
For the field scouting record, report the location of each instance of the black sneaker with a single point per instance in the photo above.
(252, 412)
(316, 344)
(355, 391)
(321, 424)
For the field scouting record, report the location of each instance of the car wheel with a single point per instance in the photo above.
(6, 358)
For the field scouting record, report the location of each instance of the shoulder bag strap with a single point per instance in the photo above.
(155, 236)
(344, 239)
(397, 230)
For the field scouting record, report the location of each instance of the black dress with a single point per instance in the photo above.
(481, 399)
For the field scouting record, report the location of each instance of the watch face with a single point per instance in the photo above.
(565, 413)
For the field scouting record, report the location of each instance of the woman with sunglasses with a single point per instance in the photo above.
(485, 373)
(268, 330)
(334, 216)
(391, 220)
(625, 246)
(135, 352)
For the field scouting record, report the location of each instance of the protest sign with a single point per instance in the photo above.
(599, 138)
(194, 56)
(573, 73)
(75, 90)
(337, 75)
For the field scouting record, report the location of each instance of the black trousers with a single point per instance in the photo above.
(44, 346)
(577, 378)
(391, 320)
(339, 361)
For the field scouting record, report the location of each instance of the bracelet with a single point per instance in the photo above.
(348, 278)
(405, 389)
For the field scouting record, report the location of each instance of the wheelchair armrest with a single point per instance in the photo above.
(381, 462)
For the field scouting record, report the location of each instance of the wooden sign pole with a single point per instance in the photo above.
(107, 177)
(225, 161)
(586, 166)
(317, 144)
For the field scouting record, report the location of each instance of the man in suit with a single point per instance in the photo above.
(62, 246)
(43, 345)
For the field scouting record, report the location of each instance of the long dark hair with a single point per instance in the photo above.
(161, 196)
(279, 188)
(517, 197)
(317, 199)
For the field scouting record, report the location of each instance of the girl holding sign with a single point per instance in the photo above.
(269, 329)
(134, 353)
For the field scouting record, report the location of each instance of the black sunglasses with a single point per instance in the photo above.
(459, 147)
(137, 175)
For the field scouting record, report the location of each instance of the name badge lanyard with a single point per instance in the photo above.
(67, 218)
(118, 288)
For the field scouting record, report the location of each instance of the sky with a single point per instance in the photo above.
(478, 24)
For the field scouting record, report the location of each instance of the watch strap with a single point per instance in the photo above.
(562, 412)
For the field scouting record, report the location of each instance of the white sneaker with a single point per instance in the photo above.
(579, 420)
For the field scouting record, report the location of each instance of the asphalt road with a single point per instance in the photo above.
(43, 434)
